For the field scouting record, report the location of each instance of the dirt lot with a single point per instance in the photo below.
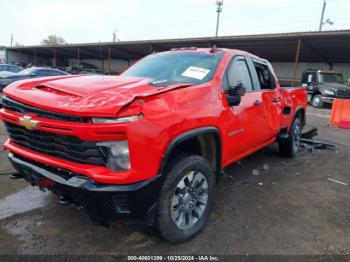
(287, 207)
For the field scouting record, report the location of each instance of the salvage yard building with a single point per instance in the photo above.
(290, 53)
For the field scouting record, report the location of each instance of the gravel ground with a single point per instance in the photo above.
(265, 204)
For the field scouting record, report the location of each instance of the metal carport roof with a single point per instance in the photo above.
(327, 46)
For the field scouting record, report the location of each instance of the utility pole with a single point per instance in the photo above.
(219, 4)
(114, 35)
(11, 39)
(322, 15)
(322, 22)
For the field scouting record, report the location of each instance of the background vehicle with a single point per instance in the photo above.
(152, 142)
(32, 72)
(10, 68)
(324, 86)
(84, 68)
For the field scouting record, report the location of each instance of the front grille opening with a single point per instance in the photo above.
(62, 146)
(343, 93)
(64, 173)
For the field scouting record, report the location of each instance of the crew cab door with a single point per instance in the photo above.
(245, 123)
(268, 87)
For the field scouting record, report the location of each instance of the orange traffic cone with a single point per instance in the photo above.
(340, 112)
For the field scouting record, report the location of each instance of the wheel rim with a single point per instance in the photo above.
(296, 138)
(189, 200)
(316, 101)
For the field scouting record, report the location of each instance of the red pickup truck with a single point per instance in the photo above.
(152, 142)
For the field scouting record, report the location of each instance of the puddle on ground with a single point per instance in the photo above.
(25, 200)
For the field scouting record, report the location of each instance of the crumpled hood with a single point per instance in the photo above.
(91, 95)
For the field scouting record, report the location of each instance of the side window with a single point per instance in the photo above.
(13, 69)
(309, 78)
(238, 72)
(304, 78)
(264, 75)
(41, 72)
(51, 73)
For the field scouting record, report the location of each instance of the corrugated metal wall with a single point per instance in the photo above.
(284, 70)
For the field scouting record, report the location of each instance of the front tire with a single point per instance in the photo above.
(186, 198)
(290, 147)
(317, 101)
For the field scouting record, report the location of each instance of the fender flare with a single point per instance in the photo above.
(297, 110)
(191, 134)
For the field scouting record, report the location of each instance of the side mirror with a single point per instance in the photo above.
(309, 79)
(235, 93)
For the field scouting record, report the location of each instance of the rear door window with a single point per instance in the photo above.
(265, 77)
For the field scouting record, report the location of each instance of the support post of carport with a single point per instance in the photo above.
(35, 57)
(78, 63)
(54, 58)
(296, 63)
(109, 60)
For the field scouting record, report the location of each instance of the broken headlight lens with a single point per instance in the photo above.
(117, 153)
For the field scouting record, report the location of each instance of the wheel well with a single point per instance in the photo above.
(300, 113)
(316, 93)
(207, 145)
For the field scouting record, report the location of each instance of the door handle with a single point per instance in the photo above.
(276, 100)
(257, 103)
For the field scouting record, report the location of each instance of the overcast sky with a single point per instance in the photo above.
(79, 21)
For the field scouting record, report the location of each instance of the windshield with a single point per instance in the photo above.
(331, 78)
(27, 71)
(168, 68)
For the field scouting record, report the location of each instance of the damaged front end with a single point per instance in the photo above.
(102, 202)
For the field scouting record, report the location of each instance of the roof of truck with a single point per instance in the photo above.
(321, 71)
(214, 50)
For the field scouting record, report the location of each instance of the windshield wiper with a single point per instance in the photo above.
(161, 82)
(166, 82)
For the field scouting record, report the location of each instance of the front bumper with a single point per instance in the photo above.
(327, 99)
(101, 202)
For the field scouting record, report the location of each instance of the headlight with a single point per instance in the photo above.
(126, 119)
(329, 92)
(117, 153)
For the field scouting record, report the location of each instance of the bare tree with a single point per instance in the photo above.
(53, 40)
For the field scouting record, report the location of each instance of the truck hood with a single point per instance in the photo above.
(334, 86)
(90, 95)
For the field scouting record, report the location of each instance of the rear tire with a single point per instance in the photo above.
(186, 198)
(290, 146)
(317, 101)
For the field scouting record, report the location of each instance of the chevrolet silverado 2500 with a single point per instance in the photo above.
(152, 142)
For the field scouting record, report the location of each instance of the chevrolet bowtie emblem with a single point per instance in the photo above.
(28, 123)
